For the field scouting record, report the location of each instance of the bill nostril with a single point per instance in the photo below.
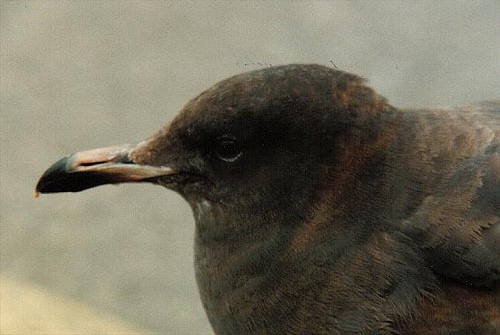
(92, 163)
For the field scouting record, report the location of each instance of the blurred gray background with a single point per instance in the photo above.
(84, 74)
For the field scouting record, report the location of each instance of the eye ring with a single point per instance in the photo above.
(228, 149)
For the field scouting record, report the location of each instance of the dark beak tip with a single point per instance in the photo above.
(57, 169)
(58, 178)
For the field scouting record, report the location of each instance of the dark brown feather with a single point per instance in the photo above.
(341, 214)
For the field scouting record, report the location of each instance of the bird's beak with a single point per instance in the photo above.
(91, 168)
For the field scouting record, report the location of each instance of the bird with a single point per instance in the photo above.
(320, 208)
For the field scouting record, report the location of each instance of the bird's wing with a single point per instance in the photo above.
(457, 225)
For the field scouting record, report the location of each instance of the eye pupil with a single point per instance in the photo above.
(228, 149)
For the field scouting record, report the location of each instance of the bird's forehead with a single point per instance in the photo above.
(236, 94)
(224, 105)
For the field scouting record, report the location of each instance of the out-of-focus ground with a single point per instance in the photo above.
(31, 310)
(84, 74)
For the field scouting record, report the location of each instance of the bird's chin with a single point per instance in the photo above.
(193, 187)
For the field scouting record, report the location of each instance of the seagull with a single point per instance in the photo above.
(320, 208)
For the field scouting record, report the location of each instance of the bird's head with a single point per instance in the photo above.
(257, 141)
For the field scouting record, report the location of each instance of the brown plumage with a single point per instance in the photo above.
(322, 209)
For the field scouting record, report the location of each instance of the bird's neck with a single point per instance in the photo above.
(252, 275)
(228, 262)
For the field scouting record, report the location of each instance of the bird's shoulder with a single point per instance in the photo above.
(456, 223)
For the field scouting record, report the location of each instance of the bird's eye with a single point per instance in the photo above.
(228, 149)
